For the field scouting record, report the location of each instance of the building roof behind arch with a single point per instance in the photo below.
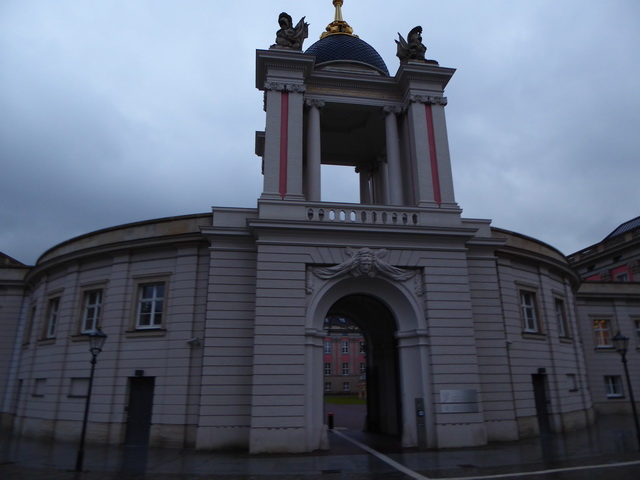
(624, 228)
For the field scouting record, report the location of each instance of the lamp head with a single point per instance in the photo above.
(620, 343)
(96, 341)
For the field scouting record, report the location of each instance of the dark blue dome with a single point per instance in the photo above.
(346, 48)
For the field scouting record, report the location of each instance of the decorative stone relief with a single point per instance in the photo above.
(428, 99)
(363, 262)
(285, 87)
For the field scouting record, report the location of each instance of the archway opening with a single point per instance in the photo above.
(361, 354)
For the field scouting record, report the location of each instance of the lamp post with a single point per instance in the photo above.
(96, 341)
(621, 343)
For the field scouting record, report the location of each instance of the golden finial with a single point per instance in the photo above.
(338, 25)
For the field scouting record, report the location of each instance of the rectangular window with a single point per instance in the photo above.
(91, 309)
(345, 346)
(327, 368)
(613, 386)
(362, 346)
(26, 338)
(602, 332)
(363, 368)
(345, 368)
(327, 346)
(39, 385)
(561, 318)
(150, 306)
(346, 387)
(327, 386)
(572, 382)
(52, 318)
(622, 277)
(529, 311)
(79, 387)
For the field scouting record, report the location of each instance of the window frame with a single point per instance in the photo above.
(525, 308)
(327, 368)
(26, 336)
(597, 333)
(52, 319)
(614, 387)
(327, 346)
(139, 284)
(562, 320)
(345, 347)
(346, 386)
(636, 326)
(82, 330)
(346, 370)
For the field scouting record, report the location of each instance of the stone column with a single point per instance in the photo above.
(393, 155)
(365, 191)
(314, 154)
(283, 141)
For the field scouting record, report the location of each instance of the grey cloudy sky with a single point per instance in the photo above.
(114, 111)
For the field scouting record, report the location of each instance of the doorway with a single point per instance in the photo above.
(540, 396)
(139, 410)
(366, 324)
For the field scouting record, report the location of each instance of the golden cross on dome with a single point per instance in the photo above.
(338, 26)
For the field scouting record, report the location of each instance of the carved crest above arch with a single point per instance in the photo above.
(363, 262)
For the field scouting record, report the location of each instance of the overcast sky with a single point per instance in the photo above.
(114, 111)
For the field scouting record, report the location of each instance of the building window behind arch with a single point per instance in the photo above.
(602, 332)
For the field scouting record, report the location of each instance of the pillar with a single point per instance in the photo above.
(393, 155)
(314, 153)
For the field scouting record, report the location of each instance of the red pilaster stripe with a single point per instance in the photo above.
(284, 142)
(433, 155)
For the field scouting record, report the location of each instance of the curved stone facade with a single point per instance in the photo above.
(225, 367)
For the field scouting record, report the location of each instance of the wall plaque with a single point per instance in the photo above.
(458, 401)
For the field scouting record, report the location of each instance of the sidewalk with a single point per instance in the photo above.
(611, 440)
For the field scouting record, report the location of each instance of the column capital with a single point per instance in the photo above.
(314, 103)
(428, 99)
(392, 110)
(285, 87)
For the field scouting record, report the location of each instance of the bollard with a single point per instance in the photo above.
(330, 420)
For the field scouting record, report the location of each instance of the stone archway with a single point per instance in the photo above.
(392, 316)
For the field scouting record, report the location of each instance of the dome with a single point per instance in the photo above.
(346, 48)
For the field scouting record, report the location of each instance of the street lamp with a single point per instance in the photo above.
(96, 341)
(621, 343)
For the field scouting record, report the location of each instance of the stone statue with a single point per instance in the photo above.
(289, 36)
(412, 48)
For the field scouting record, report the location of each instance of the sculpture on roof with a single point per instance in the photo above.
(289, 36)
(412, 48)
